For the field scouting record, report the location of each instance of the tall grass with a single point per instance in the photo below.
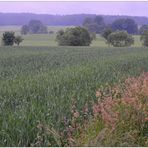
(38, 86)
(122, 112)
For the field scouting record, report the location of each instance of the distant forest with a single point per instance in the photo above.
(60, 20)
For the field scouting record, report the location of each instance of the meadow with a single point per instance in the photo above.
(39, 81)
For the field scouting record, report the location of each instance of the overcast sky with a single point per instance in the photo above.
(108, 8)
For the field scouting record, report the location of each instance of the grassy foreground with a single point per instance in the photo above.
(38, 85)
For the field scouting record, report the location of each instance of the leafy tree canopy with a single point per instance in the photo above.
(120, 39)
(77, 36)
(8, 38)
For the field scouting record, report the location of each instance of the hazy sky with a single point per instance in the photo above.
(109, 8)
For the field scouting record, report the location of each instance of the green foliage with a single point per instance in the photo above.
(128, 25)
(120, 39)
(144, 38)
(8, 38)
(18, 40)
(77, 36)
(37, 85)
(106, 33)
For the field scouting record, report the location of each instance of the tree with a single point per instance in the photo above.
(36, 27)
(107, 32)
(18, 40)
(144, 38)
(128, 25)
(95, 25)
(8, 38)
(143, 28)
(77, 36)
(120, 39)
(60, 38)
(24, 30)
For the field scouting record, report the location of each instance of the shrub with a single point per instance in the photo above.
(77, 36)
(120, 39)
(144, 38)
(18, 40)
(8, 38)
(106, 33)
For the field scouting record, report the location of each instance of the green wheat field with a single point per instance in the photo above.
(39, 80)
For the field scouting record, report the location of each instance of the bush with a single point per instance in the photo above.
(120, 39)
(18, 40)
(106, 33)
(144, 38)
(77, 36)
(8, 38)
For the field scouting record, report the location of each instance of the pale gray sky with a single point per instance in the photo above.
(108, 8)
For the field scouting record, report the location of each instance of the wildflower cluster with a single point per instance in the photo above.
(125, 108)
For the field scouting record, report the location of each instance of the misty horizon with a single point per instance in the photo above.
(70, 8)
(69, 14)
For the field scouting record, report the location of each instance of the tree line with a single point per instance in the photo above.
(98, 25)
(117, 34)
(61, 20)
